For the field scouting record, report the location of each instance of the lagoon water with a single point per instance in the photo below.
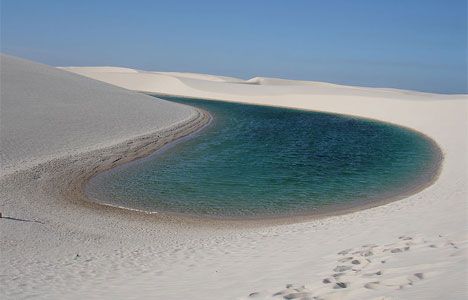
(256, 161)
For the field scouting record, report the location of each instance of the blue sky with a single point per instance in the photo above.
(410, 44)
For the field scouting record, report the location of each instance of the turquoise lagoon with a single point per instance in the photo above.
(257, 161)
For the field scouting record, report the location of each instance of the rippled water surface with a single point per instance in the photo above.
(265, 161)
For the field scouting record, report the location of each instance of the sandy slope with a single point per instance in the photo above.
(43, 111)
(413, 248)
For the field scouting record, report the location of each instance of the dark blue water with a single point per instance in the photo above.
(266, 161)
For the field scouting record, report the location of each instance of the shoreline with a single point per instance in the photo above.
(143, 147)
(433, 172)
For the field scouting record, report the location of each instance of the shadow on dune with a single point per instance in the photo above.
(22, 220)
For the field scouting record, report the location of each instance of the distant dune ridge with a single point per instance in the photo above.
(203, 84)
(59, 128)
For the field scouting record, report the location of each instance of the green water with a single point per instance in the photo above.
(256, 161)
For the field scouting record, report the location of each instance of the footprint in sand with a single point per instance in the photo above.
(395, 283)
(326, 280)
(344, 252)
(378, 273)
(366, 253)
(345, 259)
(299, 295)
(338, 275)
(340, 285)
(342, 268)
(416, 277)
(372, 285)
(294, 293)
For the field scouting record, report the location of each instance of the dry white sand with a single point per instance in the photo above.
(415, 248)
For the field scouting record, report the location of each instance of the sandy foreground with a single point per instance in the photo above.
(58, 128)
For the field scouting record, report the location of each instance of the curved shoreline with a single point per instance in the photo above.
(138, 148)
(433, 172)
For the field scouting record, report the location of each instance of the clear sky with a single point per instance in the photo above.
(410, 44)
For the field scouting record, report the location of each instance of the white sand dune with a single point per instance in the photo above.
(54, 246)
(43, 111)
(208, 77)
(88, 71)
